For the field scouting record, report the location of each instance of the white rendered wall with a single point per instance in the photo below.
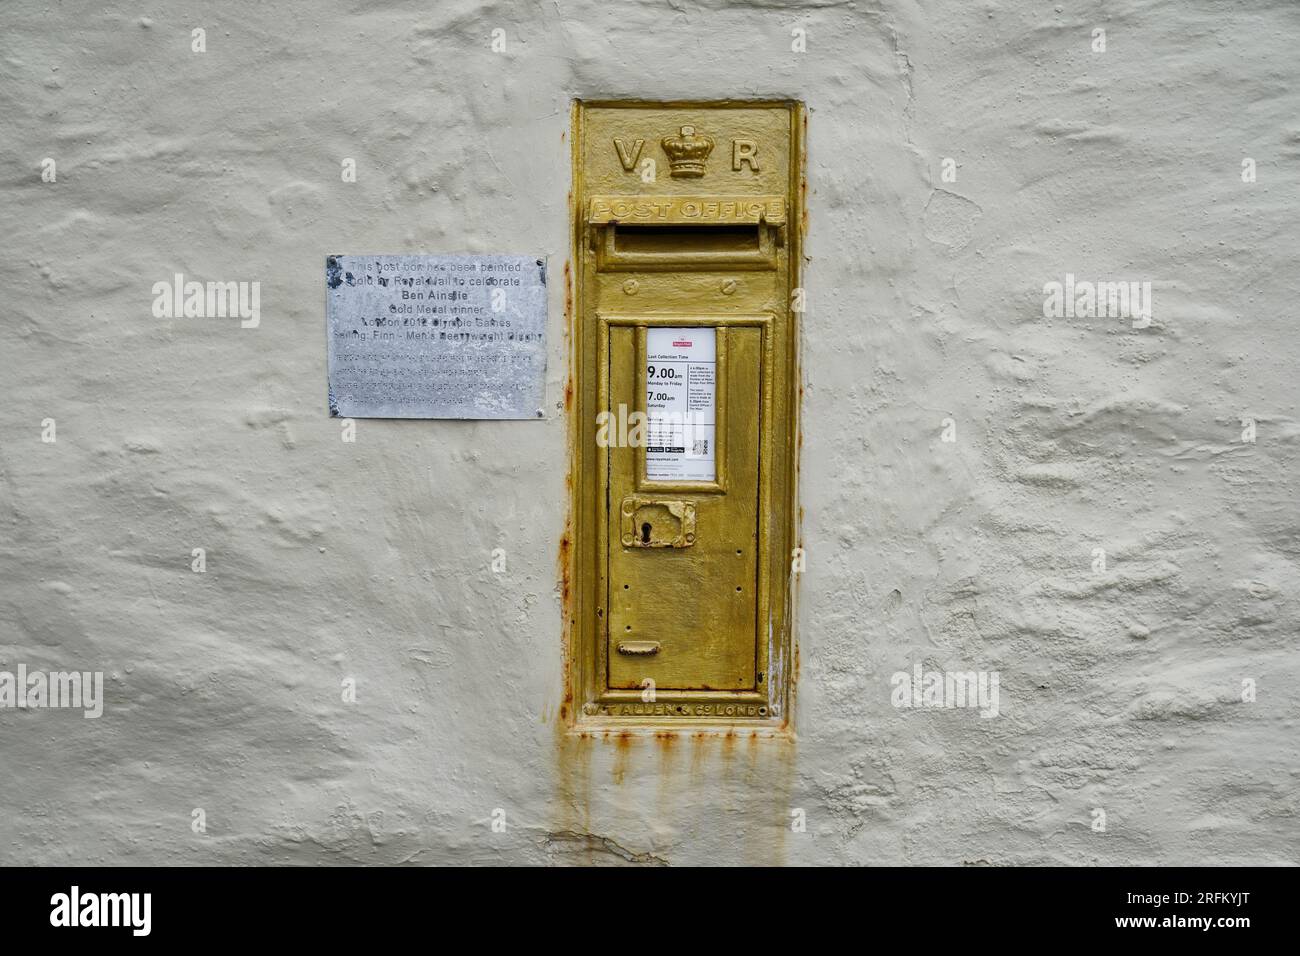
(1120, 689)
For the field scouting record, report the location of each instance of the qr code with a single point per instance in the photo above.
(701, 447)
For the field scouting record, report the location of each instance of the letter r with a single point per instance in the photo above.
(744, 151)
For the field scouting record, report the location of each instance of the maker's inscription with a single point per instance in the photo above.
(436, 336)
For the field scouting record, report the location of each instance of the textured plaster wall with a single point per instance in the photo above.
(1120, 690)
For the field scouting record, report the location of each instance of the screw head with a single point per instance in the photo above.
(631, 286)
(728, 286)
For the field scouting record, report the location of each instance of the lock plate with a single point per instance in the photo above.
(657, 522)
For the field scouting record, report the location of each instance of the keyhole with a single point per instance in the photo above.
(645, 533)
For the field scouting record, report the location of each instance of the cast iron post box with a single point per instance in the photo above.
(686, 234)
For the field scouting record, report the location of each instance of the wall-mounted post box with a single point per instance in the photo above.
(686, 241)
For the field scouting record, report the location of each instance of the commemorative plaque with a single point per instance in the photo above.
(436, 336)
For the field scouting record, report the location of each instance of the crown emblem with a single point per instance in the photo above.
(687, 152)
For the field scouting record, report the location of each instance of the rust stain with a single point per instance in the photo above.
(568, 328)
(698, 745)
(623, 749)
(572, 801)
(568, 295)
(572, 809)
(565, 555)
(728, 746)
(566, 539)
(779, 778)
(666, 777)
(803, 177)
(564, 561)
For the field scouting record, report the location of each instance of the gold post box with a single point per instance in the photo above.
(687, 220)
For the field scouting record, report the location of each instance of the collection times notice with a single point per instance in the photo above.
(681, 402)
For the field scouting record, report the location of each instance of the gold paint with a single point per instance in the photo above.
(706, 619)
(744, 151)
(628, 156)
(687, 153)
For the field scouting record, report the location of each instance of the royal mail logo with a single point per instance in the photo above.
(683, 345)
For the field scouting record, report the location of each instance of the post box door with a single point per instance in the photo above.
(683, 505)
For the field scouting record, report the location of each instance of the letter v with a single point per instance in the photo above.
(628, 159)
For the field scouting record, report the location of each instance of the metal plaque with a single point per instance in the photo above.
(436, 336)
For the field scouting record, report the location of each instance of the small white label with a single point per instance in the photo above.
(681, 399)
